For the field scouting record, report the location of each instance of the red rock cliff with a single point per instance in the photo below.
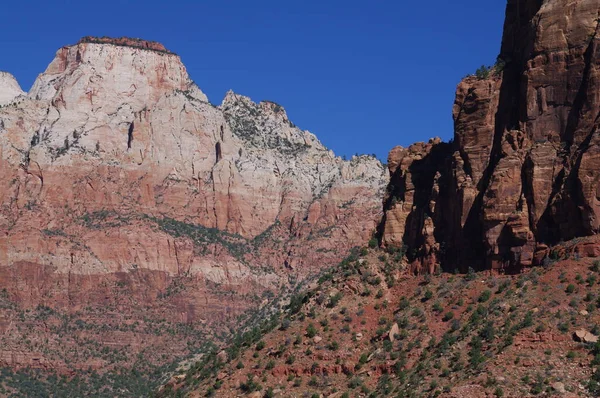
(523, 170)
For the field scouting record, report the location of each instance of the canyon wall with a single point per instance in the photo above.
(522, 172)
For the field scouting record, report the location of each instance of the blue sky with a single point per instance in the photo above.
(363, 76)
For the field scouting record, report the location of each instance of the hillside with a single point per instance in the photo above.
(366, 329)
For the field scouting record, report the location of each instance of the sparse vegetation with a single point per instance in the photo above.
(482, 317)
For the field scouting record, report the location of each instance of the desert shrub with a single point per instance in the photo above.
(428, 295)
(404, 303)
(485, 296)
(311, 331)
(250, 385)
(334, 300)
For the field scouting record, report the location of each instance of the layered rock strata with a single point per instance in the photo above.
(115, 166)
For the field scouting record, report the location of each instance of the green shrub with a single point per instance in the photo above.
(485, 296)
(334, 300)
(488, 332)
(471, 274)
(311, 331)
(527, 320)
(428, 295)
(483, 72)
(250, 385)
(475, 356)
(404, 303)
(563, 327)
(363, 359)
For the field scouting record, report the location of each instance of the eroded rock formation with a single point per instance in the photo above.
(523, 170)
(116, 172)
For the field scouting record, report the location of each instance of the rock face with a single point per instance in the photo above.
(523, 170)
(115, 169)
(9, 88)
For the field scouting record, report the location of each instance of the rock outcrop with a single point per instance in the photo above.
(127, 42)
(115, 168)
(523, 169)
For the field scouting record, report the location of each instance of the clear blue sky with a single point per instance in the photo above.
(363, 76)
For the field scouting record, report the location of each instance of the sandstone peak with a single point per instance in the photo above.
(105, 72)
(270, 107)
(266, 125)
(231, 98)
(9, 88)
(126, 42)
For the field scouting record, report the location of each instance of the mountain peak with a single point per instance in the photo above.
(111, 71)
(9, 88)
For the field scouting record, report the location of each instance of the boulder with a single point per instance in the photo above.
(559, 387)
(584, 336)
(394, 331)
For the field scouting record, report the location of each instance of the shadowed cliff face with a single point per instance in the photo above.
(119, 179)
(523, 171)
